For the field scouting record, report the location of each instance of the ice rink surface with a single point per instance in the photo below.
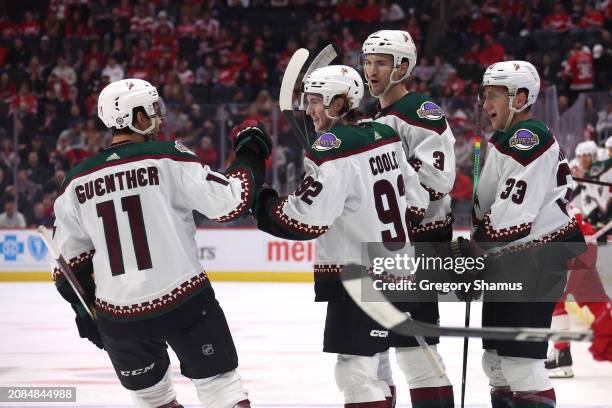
(278, 332)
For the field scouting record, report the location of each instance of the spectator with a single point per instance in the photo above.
(491, 52)
(207, 152)
(8, 156)
(11, 218)
(53, 186)
(30, 27)
(37, 172)
(208, 26)
(604, 122)
(40, 216)
(18, 55)
(391, 12)
(112, 70)
(480, 26)
(25, 101)
(26, 190)
(424, 71)
(579, 69)
(370, 13)
(554, 29)
(64, 72)
(443, 71)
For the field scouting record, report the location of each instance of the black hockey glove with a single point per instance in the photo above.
(88, 328)
(251, 131)
(470, 269)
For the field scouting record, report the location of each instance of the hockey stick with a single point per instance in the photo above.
(323, 59)
(285, 97)
(66, 269)
(391, 318)
(592, 181)
(468, 305)
(602, 231)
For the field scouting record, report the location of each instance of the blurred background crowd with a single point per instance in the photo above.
(218, 62)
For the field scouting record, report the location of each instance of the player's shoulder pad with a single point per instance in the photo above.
(131, 152)
(345, 141)
(419, 110)
(525, 141)
(600, 167)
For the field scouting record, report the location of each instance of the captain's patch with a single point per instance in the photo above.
(326, 141)
(430, 110)
(182, 148)
(524, 139)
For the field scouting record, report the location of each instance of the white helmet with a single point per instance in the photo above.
(588, 147)
(117, 101)
(609, 142)
(514, 75)
(396, 43)
(331, 81)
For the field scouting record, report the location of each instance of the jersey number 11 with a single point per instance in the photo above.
(131, 205)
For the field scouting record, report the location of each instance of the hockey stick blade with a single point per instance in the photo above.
(323, 59)
(66, 269)
(285, 97)
(391, 318)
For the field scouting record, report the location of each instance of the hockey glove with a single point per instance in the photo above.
(250, 131)
(467, 250)
(88, 328)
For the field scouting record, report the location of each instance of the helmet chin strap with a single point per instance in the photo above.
(389, 85)
(148, 132)
(513, 111)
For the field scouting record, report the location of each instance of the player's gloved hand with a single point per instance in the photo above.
(250, 132)
(263, 196)
(601, 348)
(88, 328)
(468, 250)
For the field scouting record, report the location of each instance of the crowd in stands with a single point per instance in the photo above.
(56, 56)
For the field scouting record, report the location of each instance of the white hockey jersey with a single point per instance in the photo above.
(429, 145)
(353, 192)
(129, 211)
(596, 198)
(524, 188)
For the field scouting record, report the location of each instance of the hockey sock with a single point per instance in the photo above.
(501, 397)
(432, 397)
(372, 404)
(391, 400)
(535, 399)
(173, 404)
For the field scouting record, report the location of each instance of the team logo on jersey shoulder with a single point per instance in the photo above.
(113, 156)
(430, 110)
(182, 148)
(524, 139)
(596, 168)
(326, 141)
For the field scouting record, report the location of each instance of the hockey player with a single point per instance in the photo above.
(521, 205)
(596, 199)
(388, 57)
(353, 192)
(126, 213)
(586, 288)
(601, 349)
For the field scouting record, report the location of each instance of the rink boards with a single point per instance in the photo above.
(233, 254)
